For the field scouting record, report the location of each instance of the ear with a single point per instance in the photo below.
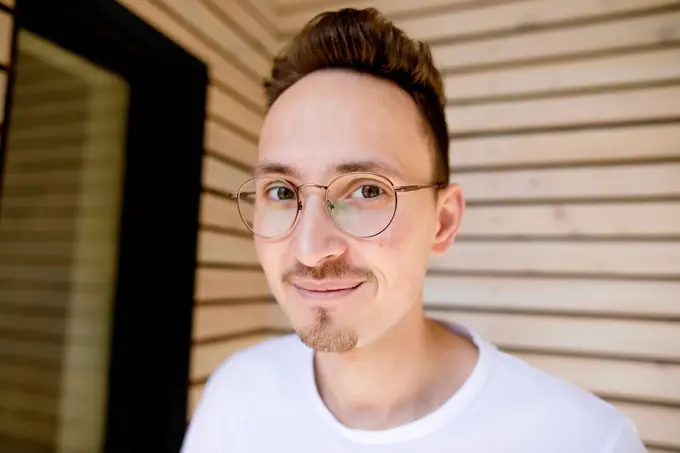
(450, 207)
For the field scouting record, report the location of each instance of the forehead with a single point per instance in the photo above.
(333, 117)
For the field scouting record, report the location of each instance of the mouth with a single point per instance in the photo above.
(326, 290)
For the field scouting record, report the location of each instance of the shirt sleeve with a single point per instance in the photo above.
(627, 440)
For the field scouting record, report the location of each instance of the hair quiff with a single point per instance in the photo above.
(363, 40)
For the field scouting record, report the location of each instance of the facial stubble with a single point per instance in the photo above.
(325, 336)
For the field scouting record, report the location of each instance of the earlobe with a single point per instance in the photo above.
(450, 207)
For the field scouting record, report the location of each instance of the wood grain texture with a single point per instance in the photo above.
(573, 221)
(221, 68)
(457, 22)
(218, 212)
(575, 335)
(243, 17)
(207, 357)
(656, 424)
(217, 248)
(586, 109)
(230, 284)
(604, 145)
(569, 42)
(202, 18)
(220, 176)
(6, 22)
(660, 258)
(225, 142)
(566, 76)
(624, 181)
(622, 298)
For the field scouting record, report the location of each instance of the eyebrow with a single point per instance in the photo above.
(273, 168)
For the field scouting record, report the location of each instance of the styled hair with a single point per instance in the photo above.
(363, 40)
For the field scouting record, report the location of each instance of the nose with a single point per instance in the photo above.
(316, 238)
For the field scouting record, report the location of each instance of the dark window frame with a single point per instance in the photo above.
(152, 320)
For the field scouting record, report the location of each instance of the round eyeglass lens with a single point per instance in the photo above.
(362, 205)
(268, 206)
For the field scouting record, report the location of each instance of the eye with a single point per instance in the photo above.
(367, 191)
(280, 193)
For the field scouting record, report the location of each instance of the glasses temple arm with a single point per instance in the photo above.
(413, 187)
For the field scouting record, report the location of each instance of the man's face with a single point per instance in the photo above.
(340, 291)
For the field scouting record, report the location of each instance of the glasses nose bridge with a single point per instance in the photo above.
(323, 188)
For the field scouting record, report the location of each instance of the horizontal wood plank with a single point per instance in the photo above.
(573, 220)
(205, 358)
(571, 147)
(229, 284)
(205, 20)
(195, 395)
(35, 430)
(6, 21)
(569, 76)
(217, 212)
(645, 340)
(3, 91)
(617, 379)
(225, 142)
(517, 16)
(291, 20)
(238, 14)
(22, 375)
(46, 352)
(587, 109)
(219, 68)
(626, 181)
(616, 257)
(221, 105)
(221, 176)
(19, 401)
(658, 29)
(212, 322)
(217, 248)
(268, 12)
(554, 295)
(83, 327)
(656, 424)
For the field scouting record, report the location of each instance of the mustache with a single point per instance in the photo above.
(328, 270)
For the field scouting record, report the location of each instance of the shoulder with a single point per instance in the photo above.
(241, 392)
(248, 366)
(560, 409)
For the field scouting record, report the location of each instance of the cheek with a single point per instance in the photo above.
(269, 256)
(402, 251)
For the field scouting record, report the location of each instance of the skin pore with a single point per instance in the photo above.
(379, 361)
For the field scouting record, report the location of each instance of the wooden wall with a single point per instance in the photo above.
(565, 134)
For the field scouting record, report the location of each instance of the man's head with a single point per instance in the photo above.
(354, 104)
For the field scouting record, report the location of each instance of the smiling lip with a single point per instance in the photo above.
(326, 289)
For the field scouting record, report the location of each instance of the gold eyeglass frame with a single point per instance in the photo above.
(239, 195)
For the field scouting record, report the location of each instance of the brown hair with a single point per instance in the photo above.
(364, 41)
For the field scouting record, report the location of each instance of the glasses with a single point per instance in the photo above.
(360, 204)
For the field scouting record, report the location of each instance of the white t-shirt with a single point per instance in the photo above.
(264, 399)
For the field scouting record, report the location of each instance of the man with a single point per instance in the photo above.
(350, 198)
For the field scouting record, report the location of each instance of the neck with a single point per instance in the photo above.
(409, 372)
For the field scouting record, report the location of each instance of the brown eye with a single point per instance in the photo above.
(370, 191)
(281, 193)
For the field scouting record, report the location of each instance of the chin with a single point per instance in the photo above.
(321, 332)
